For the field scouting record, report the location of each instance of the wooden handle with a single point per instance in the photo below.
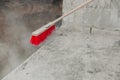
(40, 30)
(70, 12)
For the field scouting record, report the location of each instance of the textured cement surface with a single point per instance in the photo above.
(70, 54)
(100, 13)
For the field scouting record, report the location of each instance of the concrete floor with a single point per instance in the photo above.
(74, 54)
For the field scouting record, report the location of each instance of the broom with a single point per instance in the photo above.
(42, 33)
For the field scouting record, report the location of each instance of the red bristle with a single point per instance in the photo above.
(36, 40)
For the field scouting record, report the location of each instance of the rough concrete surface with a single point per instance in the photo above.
(73, 55)
(75, 52)
(100, 13)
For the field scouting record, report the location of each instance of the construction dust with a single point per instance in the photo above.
(18, 18)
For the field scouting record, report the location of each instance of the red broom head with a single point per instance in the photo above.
(38, 39)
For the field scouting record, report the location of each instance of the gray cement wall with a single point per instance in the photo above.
(100, 13)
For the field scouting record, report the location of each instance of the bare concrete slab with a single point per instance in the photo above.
(71, 54)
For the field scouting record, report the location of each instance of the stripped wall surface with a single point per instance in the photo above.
(100, 13)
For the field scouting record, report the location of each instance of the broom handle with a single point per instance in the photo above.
(70, 12)
(38, 31)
